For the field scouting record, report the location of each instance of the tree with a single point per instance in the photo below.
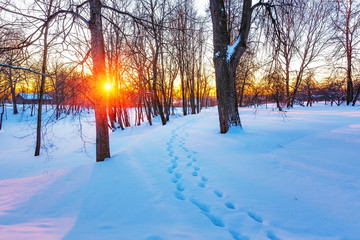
(275, 85)
(346, 22)
(227, 54)
(43, 78)
(245, 74)
(226, 59)
(300, 41)
(99, 80)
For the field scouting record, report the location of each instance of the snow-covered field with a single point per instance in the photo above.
(293, 175)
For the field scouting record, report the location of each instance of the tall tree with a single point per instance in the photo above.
(226, 59)
(346, 23)
(301, 39)
(43, 78)
(99, 80)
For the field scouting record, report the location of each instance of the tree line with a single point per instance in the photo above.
(138, 48)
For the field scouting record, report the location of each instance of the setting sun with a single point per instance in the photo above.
(107, 86)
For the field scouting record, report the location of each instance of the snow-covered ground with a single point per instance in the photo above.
(291, 175)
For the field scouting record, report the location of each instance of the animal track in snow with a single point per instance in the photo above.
(194, 173)
(170, 170)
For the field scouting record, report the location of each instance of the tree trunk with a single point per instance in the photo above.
(99, 81)
(13, 92)
(350, 87)
(356, 95)
(242, 92)
(42, 86)
(226, 59)
(183, 91)
(2, 113)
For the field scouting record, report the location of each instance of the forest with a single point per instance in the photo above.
(153, 56)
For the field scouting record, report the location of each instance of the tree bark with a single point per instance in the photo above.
(99, 81)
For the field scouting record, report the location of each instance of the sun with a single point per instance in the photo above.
(107, 86)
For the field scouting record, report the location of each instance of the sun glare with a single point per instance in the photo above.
(107, 86)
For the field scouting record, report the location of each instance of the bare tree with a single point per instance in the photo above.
(301, 39)
(346, 22)
(227, 54)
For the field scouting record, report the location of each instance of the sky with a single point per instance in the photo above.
(201, 5)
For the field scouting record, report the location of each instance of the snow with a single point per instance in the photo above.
(292, 175)
(30, 96)
(231, 49)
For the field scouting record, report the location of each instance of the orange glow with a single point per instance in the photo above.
(107, 86)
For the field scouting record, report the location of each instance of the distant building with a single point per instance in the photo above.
(32, 98)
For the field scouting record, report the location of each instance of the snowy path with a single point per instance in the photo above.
(194, 186)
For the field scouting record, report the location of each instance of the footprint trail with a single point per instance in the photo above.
(193, 186)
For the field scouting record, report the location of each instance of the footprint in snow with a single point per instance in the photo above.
(229, 205)
(169, 148)
(174, 165)
(204, 179)
(174, 180)
(217, 221)
(202, 184)
(195, 173)
(170, 170)
(218, 193)
(180, 187)
(255, 217)
(179, 195)
(178, 175)
(270, 235)
(189, 164)
(106, 227)
(203, 207)
(196, 168)
(238, 236)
